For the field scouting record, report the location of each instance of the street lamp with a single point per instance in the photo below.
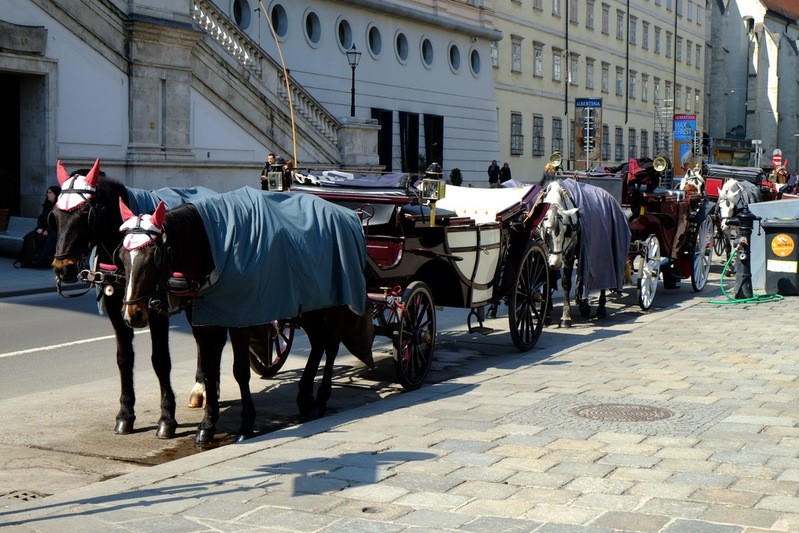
(353, 57)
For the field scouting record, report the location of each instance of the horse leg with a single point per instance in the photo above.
(566, 285)
(210, 341)
(162, 364)
(240, 340)
(326, 386)
(315, 331)
(600, 309)
(582, 304)
(197, 394)
(127, 398)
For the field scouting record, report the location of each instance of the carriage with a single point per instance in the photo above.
(671, 230)
(431, 246)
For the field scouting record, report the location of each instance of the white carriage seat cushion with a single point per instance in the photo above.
(481, 204)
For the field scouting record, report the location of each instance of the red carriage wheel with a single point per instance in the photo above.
(269, 347)
(529, 298)
(415, 336)
(703, 254)
(648, 272)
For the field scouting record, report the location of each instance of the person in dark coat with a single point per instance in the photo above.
(493, 174)
(270, 160)
(504, 173)
(43, 227)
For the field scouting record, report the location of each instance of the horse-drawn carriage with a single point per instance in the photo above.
(438, 245)
(670, 230)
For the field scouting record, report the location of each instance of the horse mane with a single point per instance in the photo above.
(187, 242)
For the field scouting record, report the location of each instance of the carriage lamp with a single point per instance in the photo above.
(432, 191)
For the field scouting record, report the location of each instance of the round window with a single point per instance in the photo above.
(427, 52)
(401, 47)
(344, 34)
(313, 28)
(280, 20)
(375, 41)
(242, 13)
(454, 57)
(474, 62)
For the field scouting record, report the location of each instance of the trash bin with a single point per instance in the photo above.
(782, 256)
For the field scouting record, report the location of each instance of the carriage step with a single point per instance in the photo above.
(482, 330)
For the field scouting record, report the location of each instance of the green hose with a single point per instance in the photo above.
(755, 299)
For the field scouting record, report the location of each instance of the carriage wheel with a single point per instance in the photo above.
(415, 336)
(648, 272)
(703, 255)
(719, 241)
(528, 300)
(269, 347)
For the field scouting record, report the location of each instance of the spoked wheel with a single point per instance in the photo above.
(719, 241)
(703, 255)
(529, 298)
(415, 336)
(648, 272)
(269, 347)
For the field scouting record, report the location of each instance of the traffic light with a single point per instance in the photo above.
(705, 143)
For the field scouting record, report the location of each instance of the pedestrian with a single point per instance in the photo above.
(504, 173)
(493, 174)
(38, 245)
(270, 160)
(288, 174)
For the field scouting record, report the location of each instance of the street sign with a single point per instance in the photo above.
(776, 157)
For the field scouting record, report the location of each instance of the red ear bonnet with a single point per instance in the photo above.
(61, 173)
(159, 215)
(94, 174)
(125, 211)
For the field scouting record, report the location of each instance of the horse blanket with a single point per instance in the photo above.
(278, 255)
(605, 241)
(142, 201)
(750, 192)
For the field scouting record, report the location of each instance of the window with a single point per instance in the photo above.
(668, 96)
(632, 84)
(280, 22)
(557, 135)
(344, 34)
(669, 4)
(454, 57)
(645, 35)
(644, 143)
(696, 100)
(556, 65)
(657, 40)
(619, 24)
(574, 15)
(516, 135)
(698, 55)
(589, 73)
(427, 52)
(678, 52)
(494, 54)
(688, 99)
(699, 14)
(538, 135)
(313, 28)
(679, 7)
(658, 2)
(632, 138)
(538, 60)
(605, 77)
(656, 96)
(605, 19)
(690, 12)
(619, 144)
(644, 87)
(574, 64)
(538, 4)
(474, 62)
(619, 81)
(556, 7)
(689, 46)
(677, 96)
(668, 44)
(589, 14)
(633, 29)
(605, 142)
(516, 54)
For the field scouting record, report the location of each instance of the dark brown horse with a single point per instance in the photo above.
(158, 246)
(86, 216)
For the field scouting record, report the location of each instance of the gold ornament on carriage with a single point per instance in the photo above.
(660, 163)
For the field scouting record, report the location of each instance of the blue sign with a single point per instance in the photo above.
(588, 102)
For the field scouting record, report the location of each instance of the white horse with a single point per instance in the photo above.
(733, 197)
(693, 182)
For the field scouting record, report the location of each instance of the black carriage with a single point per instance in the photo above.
(442, 246)
(671, 230)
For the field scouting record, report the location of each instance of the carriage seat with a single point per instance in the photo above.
(480, 204)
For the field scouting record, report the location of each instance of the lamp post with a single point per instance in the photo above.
(353, 57)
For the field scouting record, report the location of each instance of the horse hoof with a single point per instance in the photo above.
(204, 436)
(565, 324)
(124, 427)
(244, 437)
(166, 430)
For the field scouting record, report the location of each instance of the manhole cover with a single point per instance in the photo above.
(24, 495)
(622, 412)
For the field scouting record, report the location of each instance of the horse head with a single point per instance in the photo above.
(730, 199)
(693, 182)
(74, 217)
(559, 223)
(141, 257)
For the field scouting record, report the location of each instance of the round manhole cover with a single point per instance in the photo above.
(622, 412)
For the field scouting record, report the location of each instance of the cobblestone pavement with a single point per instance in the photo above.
(683, 419)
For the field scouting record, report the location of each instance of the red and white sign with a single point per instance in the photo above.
(776, 158)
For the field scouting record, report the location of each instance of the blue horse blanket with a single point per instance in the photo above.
(142, 201)
(605, 241)
(278, 255)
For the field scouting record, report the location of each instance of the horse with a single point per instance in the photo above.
(585, 224)
(693, 182)
(733, 197)
(86, 216)
(178, 245)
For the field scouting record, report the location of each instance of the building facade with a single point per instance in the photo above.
(642, 60)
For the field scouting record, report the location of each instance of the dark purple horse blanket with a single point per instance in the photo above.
(605, 241)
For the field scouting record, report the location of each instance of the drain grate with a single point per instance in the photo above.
(622, 412)
(24, 495)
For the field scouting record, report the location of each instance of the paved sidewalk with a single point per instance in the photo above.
(679, 420)
(18, 281)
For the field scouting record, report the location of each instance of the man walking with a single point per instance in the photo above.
(493, 174)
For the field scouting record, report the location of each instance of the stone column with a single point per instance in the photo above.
(357, 143)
